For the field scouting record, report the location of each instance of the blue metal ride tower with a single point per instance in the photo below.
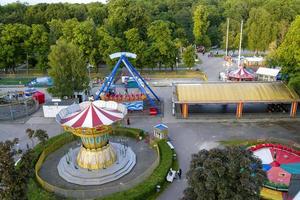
(133, 72)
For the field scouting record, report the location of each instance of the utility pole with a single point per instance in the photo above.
(240, 47)
(227, 32)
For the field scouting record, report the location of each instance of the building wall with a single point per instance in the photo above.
(52, 110)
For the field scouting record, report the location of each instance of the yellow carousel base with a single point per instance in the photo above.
(96, 158)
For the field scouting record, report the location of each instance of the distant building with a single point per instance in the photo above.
(254, 61)
(267, 74)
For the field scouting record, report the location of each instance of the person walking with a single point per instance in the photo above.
(179, 173)
(128, 121)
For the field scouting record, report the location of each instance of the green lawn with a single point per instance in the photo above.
(15, 81)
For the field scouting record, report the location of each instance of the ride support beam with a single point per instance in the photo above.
(185, 110)
(293, 112)
(239, 110)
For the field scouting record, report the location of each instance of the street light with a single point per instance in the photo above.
(89, 66)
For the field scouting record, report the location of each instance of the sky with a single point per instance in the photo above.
(32, 2)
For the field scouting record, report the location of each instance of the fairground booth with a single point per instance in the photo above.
(234, 98)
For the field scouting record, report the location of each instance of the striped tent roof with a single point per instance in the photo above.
(241, 73)
(91, 114)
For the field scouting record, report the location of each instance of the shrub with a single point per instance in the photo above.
(128, 132)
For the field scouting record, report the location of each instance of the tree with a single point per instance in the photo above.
(288, 54)
(37, 45)
(162, 46)
(261, 29)
(41, 135)
(11, 182)
(230, 173)
(189, 56)
(200, 25)
(12, 38)
(136, 45)
(67, 68)
(30, 134)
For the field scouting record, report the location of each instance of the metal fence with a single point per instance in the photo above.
(18, 109)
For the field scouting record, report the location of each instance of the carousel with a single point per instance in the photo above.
(92, 121)
(240, 74)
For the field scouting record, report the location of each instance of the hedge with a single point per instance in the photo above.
(128, 132)
(148, 187)
(34, 191)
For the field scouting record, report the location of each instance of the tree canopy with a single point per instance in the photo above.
(230, 173)
(67, 68)
(125, 25)
(288, 54)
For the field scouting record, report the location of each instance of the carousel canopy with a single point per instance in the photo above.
(241, 73)
(91, 114)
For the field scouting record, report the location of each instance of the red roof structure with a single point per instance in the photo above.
(241, 74)
(92, 114)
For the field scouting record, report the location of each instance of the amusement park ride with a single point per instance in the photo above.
(132, 101)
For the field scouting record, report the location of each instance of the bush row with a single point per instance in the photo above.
(147, 188)
(34, 191)
(128, 132)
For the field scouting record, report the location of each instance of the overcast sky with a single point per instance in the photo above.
(3, 2)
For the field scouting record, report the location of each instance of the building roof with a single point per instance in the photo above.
(91, 114)
(267, 71)
(234, 92)
(161, 127)
(241, 73)
(254, 59)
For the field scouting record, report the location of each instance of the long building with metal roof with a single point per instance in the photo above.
(234, 93)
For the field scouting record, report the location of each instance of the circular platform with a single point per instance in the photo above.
(69, 170)
(279, 162)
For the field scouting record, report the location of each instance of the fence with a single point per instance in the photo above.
(18, 109)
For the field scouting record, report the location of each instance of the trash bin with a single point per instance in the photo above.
(157, 188)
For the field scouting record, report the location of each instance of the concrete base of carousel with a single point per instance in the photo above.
(72, 173)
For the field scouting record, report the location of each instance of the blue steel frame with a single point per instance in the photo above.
(134, 73)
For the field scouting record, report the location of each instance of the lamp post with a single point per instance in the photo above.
(89, 66)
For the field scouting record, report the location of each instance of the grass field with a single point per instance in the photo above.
(174, 74)
(15, 81)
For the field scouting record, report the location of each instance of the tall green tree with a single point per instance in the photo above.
(261, 29)
(162, 45)
(67, 68)
(12, 39)
(201, 24)
(189, 56)
(98, 12)
(230, 173)
(136, 45)
(37, 45)
(108, 45)
(288, 54)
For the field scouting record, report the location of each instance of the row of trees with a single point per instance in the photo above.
(155, 30)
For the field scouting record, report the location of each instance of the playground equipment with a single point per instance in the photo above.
(132, 101)
(279, 162)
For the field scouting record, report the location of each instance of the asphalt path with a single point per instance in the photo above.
(187, 137)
